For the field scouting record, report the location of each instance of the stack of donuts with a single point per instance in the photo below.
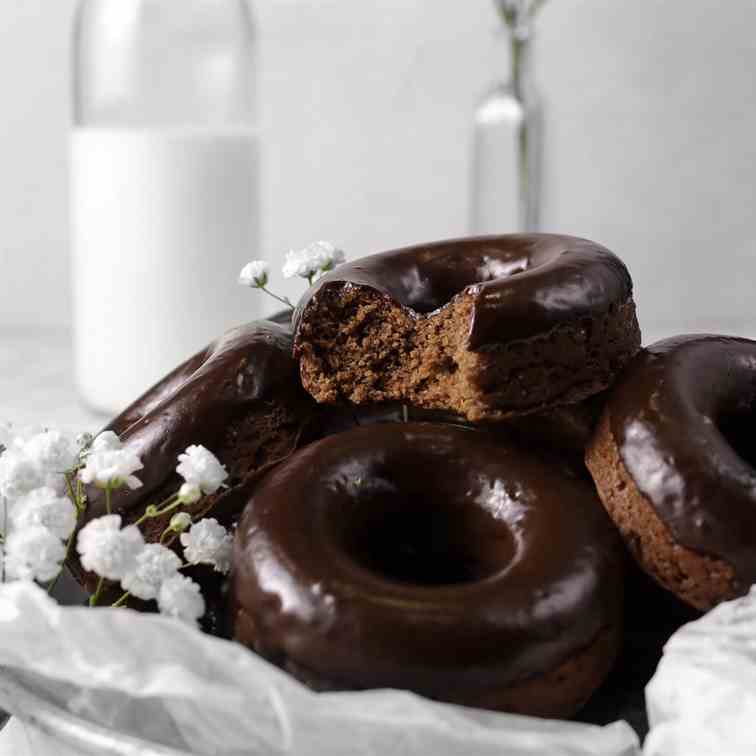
(435, 465)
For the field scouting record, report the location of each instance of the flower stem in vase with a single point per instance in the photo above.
(507, 149)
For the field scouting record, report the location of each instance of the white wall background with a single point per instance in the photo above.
(651, 138)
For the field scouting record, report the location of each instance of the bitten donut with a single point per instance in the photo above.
(673, 459)
(240, 397)
(484, 327)
(434, 559)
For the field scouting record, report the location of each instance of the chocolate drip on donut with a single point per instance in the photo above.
(682, 417)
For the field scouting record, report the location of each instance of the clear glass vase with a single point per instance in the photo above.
(508, 137)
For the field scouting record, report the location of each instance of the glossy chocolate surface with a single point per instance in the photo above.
(423, 556)
(560, 436)
(521, 284)
(682, 416)
(195, 404)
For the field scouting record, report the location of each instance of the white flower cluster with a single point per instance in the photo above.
(315, 259)
(202, 471)
(110, 464)
(151, 571)
(308, 263)
(208, 542)
(36, 516)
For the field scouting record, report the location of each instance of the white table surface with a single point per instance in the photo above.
(37, 383)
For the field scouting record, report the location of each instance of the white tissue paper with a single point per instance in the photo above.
(152, 678)
(702, 699)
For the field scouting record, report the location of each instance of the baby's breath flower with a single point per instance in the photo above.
(208, 542)
(154, 565)
(35, 458)
(84, 440)
(254, 274)
(33, 553)
(43, 506)
(18, 474)
(107, 550)
(180, 522)
(52, 449)
(54, 453)
(179, 596)
(318, 257)
(111, 468)
(202, 472)
(105, 441)
(189, 493)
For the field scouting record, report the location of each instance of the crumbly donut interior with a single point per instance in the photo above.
(358, 345)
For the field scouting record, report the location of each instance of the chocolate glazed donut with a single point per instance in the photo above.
(485, 327)
(430, 558)
(675, 464)
(240, 397)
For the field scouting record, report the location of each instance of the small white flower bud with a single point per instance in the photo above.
(254, 274)
(189, 493)
(84, 440)
(180, 522)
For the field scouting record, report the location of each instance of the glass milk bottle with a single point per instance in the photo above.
(164, 186)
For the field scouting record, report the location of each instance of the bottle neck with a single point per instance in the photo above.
(520, 42)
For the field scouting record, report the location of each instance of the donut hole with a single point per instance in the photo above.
(737, 428)
(426, 541)
(444, 276)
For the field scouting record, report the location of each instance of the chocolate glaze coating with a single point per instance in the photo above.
(535, 281)
(195, 404)
(559, 436)
(682, 418)
(423, 556)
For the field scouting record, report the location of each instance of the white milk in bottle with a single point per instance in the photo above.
(164, 187)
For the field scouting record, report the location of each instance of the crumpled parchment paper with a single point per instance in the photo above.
(702, 699)
(153, 678)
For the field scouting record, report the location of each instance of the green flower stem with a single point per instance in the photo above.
(69, 543)
(171, 503)
(108, 489)
(76, 498)
(122, 600)
(282, 300)
(69, 488)
(96, 597)
(165, 535)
